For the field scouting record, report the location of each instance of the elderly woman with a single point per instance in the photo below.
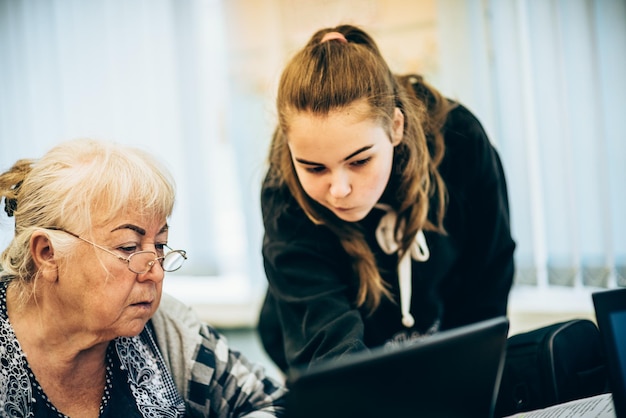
(84, 331)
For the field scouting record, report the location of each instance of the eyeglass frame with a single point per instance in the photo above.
(150, 264)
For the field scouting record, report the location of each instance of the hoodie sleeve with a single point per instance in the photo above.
(311, 288)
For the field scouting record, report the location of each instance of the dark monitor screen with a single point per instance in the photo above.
(610, 307)
(618, 325)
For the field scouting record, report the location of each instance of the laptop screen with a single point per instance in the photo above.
(610, 307)
(618, 324)
(450, 374)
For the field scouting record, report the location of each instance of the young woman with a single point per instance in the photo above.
(385, 208)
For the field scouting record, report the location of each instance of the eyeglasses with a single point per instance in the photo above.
(141, 262)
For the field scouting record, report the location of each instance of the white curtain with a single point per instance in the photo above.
(150, 73)
(548, 79)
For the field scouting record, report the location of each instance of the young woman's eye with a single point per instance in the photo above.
(359, 163)
(315, 170)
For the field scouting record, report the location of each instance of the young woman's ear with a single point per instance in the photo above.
(42, 252)
(397, 128)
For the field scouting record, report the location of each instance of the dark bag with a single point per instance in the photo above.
(550, 365)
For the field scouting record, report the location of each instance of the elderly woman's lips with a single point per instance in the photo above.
(144, 303)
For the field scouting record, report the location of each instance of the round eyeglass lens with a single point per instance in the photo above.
(173, 260)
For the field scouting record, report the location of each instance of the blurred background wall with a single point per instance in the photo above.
(194, 82)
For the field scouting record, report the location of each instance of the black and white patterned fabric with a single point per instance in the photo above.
(221, 382)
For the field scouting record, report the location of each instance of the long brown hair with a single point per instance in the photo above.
(330, 75)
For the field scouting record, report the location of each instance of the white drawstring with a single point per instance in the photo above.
(389, 244)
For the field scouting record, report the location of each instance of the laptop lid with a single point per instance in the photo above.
(610, 307)
(454, 373)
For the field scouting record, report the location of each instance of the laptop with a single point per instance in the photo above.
(610, 308)
(454, 373)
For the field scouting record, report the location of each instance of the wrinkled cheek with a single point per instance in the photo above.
(157, 300)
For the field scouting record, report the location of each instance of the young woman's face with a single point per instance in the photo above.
(344, 160)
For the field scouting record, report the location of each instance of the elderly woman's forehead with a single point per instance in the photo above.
(128, 220)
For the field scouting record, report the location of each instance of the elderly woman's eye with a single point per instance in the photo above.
(160, 248)
(128, 249)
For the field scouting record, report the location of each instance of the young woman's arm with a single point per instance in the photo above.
(309, 313)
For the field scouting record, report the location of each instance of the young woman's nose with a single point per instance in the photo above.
(340, 185)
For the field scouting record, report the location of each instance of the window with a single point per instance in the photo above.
(544, 77)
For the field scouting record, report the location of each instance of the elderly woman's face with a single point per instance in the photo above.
(99, 291)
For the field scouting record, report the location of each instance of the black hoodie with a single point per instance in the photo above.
(309, 313)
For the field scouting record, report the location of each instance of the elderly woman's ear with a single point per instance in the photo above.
(42, 252)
